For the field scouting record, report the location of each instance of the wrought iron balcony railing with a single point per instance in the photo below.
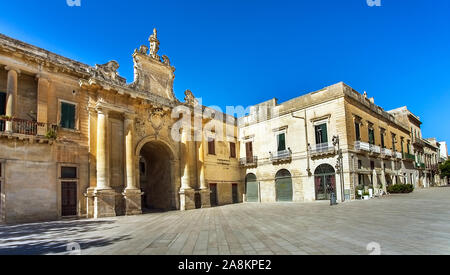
(362, 146)
(250, 161)
(386, 152)
(25, 127)
(285, 155)
(323, 148)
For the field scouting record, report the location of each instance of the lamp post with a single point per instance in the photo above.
(340, 166)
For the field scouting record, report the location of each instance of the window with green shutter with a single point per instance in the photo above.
(358, 131)
(281, 142)
(321, 134)
(67, 115)
(371, 136)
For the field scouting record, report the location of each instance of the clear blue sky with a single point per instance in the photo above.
(232, 52)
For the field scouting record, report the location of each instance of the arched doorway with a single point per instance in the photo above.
(325, 182)
(156, 177)
(283, 186)
(252, 188)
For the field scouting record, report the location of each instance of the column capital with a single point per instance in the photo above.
(42, 77)
(102, 110)
(11, 68)
(129, 116)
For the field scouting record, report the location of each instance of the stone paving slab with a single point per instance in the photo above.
(417, 223)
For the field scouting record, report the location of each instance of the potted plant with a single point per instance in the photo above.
(366, 196)
(359, 191)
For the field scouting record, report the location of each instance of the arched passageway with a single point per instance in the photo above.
(156, 177)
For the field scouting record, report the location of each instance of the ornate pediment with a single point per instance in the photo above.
(151, 74)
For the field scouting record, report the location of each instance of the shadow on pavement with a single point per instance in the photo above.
(53, 237)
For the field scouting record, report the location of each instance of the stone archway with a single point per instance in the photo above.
(156, 176)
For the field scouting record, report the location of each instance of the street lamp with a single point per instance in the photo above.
(340, 165)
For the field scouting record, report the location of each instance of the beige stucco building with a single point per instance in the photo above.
(80, 141)
(301, 141)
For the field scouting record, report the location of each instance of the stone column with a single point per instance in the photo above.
(11, 96)
(187, 194)
(131, 194)
(104, 195)
(205, 192)
(42, 105)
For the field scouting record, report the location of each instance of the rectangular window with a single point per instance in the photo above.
(281, 142)
(67, 115)
(371, 136)
(211, 146)
(382, 140)
(68, 172)
(402, 145)
(232, 150)
(359, 164)
(249, 150)
(321, 134)
(372, 165)
(393, 143)
(408, 148)
(358, 131)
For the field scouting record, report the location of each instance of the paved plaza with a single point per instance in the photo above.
(417, 223)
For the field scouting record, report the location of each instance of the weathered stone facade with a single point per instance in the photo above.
(118, 143)
(79, 141)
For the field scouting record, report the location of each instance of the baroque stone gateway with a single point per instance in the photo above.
(79, 141)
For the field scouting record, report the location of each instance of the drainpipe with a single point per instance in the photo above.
(308, 169)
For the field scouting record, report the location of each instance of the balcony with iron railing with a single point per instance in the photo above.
(397, 155)
(281, 156)
(322, 149)
(22, 127)
(362, 146)
(249, 161)
(386, 152)
(418, 141)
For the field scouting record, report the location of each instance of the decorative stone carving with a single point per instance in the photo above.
(156, 120)
(109, 72)
(143, 49)
(190, 98)
(154, 45)
(166, 60)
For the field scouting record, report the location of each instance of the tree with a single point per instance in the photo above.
(445, 169)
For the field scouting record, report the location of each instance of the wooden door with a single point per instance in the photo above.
(235, 193)
(214, 201)
(69, 198)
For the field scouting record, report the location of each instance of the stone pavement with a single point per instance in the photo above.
(417, 223)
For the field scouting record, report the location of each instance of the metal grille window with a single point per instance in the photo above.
(67, 115)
